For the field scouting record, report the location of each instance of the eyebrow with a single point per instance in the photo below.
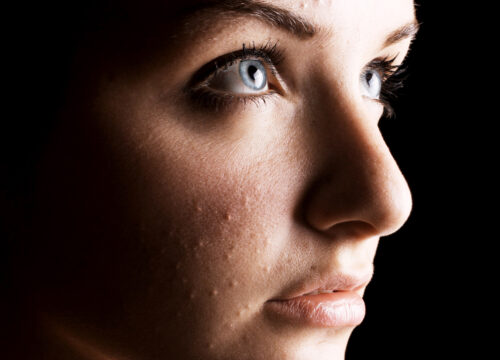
(277, 17)
(404, 32)
(286, 20)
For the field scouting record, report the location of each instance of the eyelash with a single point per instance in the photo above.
(393, 77)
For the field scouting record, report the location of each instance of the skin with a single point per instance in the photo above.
(162, 229)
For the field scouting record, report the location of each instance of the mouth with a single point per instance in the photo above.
(317, 292)
(331, 310)
(334, 302)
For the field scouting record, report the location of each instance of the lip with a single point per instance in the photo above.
(342, 306)
(338, 309)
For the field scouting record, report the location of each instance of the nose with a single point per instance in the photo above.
(359, 185)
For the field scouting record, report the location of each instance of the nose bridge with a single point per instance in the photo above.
(360, 182)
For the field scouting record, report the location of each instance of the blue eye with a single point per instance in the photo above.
(241, 77)
(253, 74)
(371, 84)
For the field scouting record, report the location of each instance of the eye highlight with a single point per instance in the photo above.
(245, 75)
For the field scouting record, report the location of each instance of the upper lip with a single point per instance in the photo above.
(337, 281)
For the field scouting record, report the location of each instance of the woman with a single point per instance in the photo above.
(216, 185)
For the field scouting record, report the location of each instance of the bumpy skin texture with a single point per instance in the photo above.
(163, 228)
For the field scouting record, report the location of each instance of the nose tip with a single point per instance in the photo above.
(364, 188)
(388, 201)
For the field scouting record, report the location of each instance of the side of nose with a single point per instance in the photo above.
(359, 183)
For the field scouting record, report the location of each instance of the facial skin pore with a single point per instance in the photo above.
(167, 225)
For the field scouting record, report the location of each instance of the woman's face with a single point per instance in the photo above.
(181, 204)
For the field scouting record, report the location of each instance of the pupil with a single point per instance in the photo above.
(369, 77)
(251, 72)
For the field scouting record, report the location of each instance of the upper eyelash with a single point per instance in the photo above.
(392, 81)
(268, 52)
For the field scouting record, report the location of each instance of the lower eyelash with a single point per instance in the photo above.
(216, 101)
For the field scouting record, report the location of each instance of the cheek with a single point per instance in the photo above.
(218, 216)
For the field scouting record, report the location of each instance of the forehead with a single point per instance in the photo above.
(360, 15)
(326, 10)
(325, 13)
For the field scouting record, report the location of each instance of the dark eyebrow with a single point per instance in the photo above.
(278, 17)
(404, 32)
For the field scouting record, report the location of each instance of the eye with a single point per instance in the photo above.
(241, 77)
(371, 83)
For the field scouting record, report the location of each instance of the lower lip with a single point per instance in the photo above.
(338, 309)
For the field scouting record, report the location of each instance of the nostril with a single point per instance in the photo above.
(354, 229)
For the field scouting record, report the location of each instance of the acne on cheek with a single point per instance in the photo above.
(230, 242)
(232, 210)
(233, 230)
